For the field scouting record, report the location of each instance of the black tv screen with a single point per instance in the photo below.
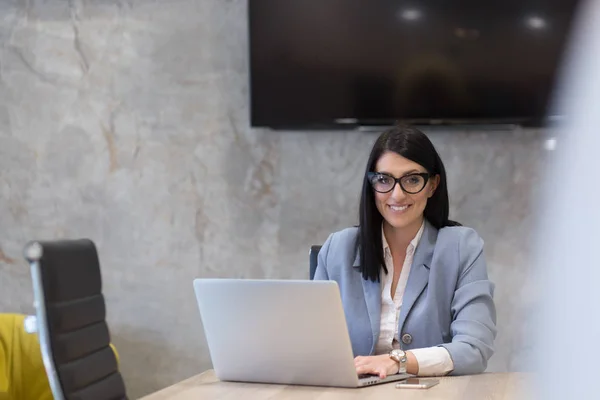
(334, 63)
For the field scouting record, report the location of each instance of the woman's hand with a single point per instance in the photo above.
(381, 365)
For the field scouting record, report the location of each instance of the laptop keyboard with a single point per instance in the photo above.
(368, 376)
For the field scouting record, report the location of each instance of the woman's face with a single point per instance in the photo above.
(399, 208)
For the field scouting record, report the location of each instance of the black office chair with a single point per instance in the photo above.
(314, 260)
(71, 321)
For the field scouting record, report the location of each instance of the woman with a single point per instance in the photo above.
(413, 283)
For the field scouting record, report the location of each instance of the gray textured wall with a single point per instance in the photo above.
(127, 122)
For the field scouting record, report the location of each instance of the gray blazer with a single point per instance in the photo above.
(448, 299)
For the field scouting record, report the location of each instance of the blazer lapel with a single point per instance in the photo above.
(419, 272)
(372, 293)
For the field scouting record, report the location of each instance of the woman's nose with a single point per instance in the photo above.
(398, 193)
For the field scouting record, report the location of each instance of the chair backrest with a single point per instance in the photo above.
(71, 321)
(314, 260)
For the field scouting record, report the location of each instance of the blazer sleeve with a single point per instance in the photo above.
(321, 272)
(473, 326)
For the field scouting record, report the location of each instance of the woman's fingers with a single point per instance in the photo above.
(361, 369)
(366, 368)
(371, 365)
(372, 370)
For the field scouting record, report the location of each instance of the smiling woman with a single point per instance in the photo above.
(399, 157)
(413, 283)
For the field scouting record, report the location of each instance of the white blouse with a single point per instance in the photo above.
(432, 360)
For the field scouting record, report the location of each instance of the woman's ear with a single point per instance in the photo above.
(435, 181)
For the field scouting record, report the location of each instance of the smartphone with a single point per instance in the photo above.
(417, 383)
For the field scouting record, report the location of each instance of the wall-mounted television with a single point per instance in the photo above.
(343, 63)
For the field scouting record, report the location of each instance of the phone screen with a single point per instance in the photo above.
(417, 383)
(411, 381)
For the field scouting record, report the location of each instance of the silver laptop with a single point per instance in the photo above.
(274, 331)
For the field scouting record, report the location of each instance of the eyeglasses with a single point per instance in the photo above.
(411, 184)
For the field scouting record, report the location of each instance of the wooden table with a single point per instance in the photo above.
(492, 386)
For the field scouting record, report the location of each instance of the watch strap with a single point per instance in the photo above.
(400, 357)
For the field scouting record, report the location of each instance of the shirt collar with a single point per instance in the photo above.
(413, 243)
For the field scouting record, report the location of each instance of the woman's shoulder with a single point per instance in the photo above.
(463, 237)
(460, 249)
(341, 244)
(345, 236)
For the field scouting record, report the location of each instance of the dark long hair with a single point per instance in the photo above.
(410, 143)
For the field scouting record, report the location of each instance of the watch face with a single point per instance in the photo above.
(398, 355)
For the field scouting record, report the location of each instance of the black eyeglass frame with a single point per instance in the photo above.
(424, 175)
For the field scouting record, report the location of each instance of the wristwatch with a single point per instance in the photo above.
(400, 357)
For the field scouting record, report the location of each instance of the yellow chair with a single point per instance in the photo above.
(22, 372)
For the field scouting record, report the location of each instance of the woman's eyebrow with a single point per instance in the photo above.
(412, 171)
